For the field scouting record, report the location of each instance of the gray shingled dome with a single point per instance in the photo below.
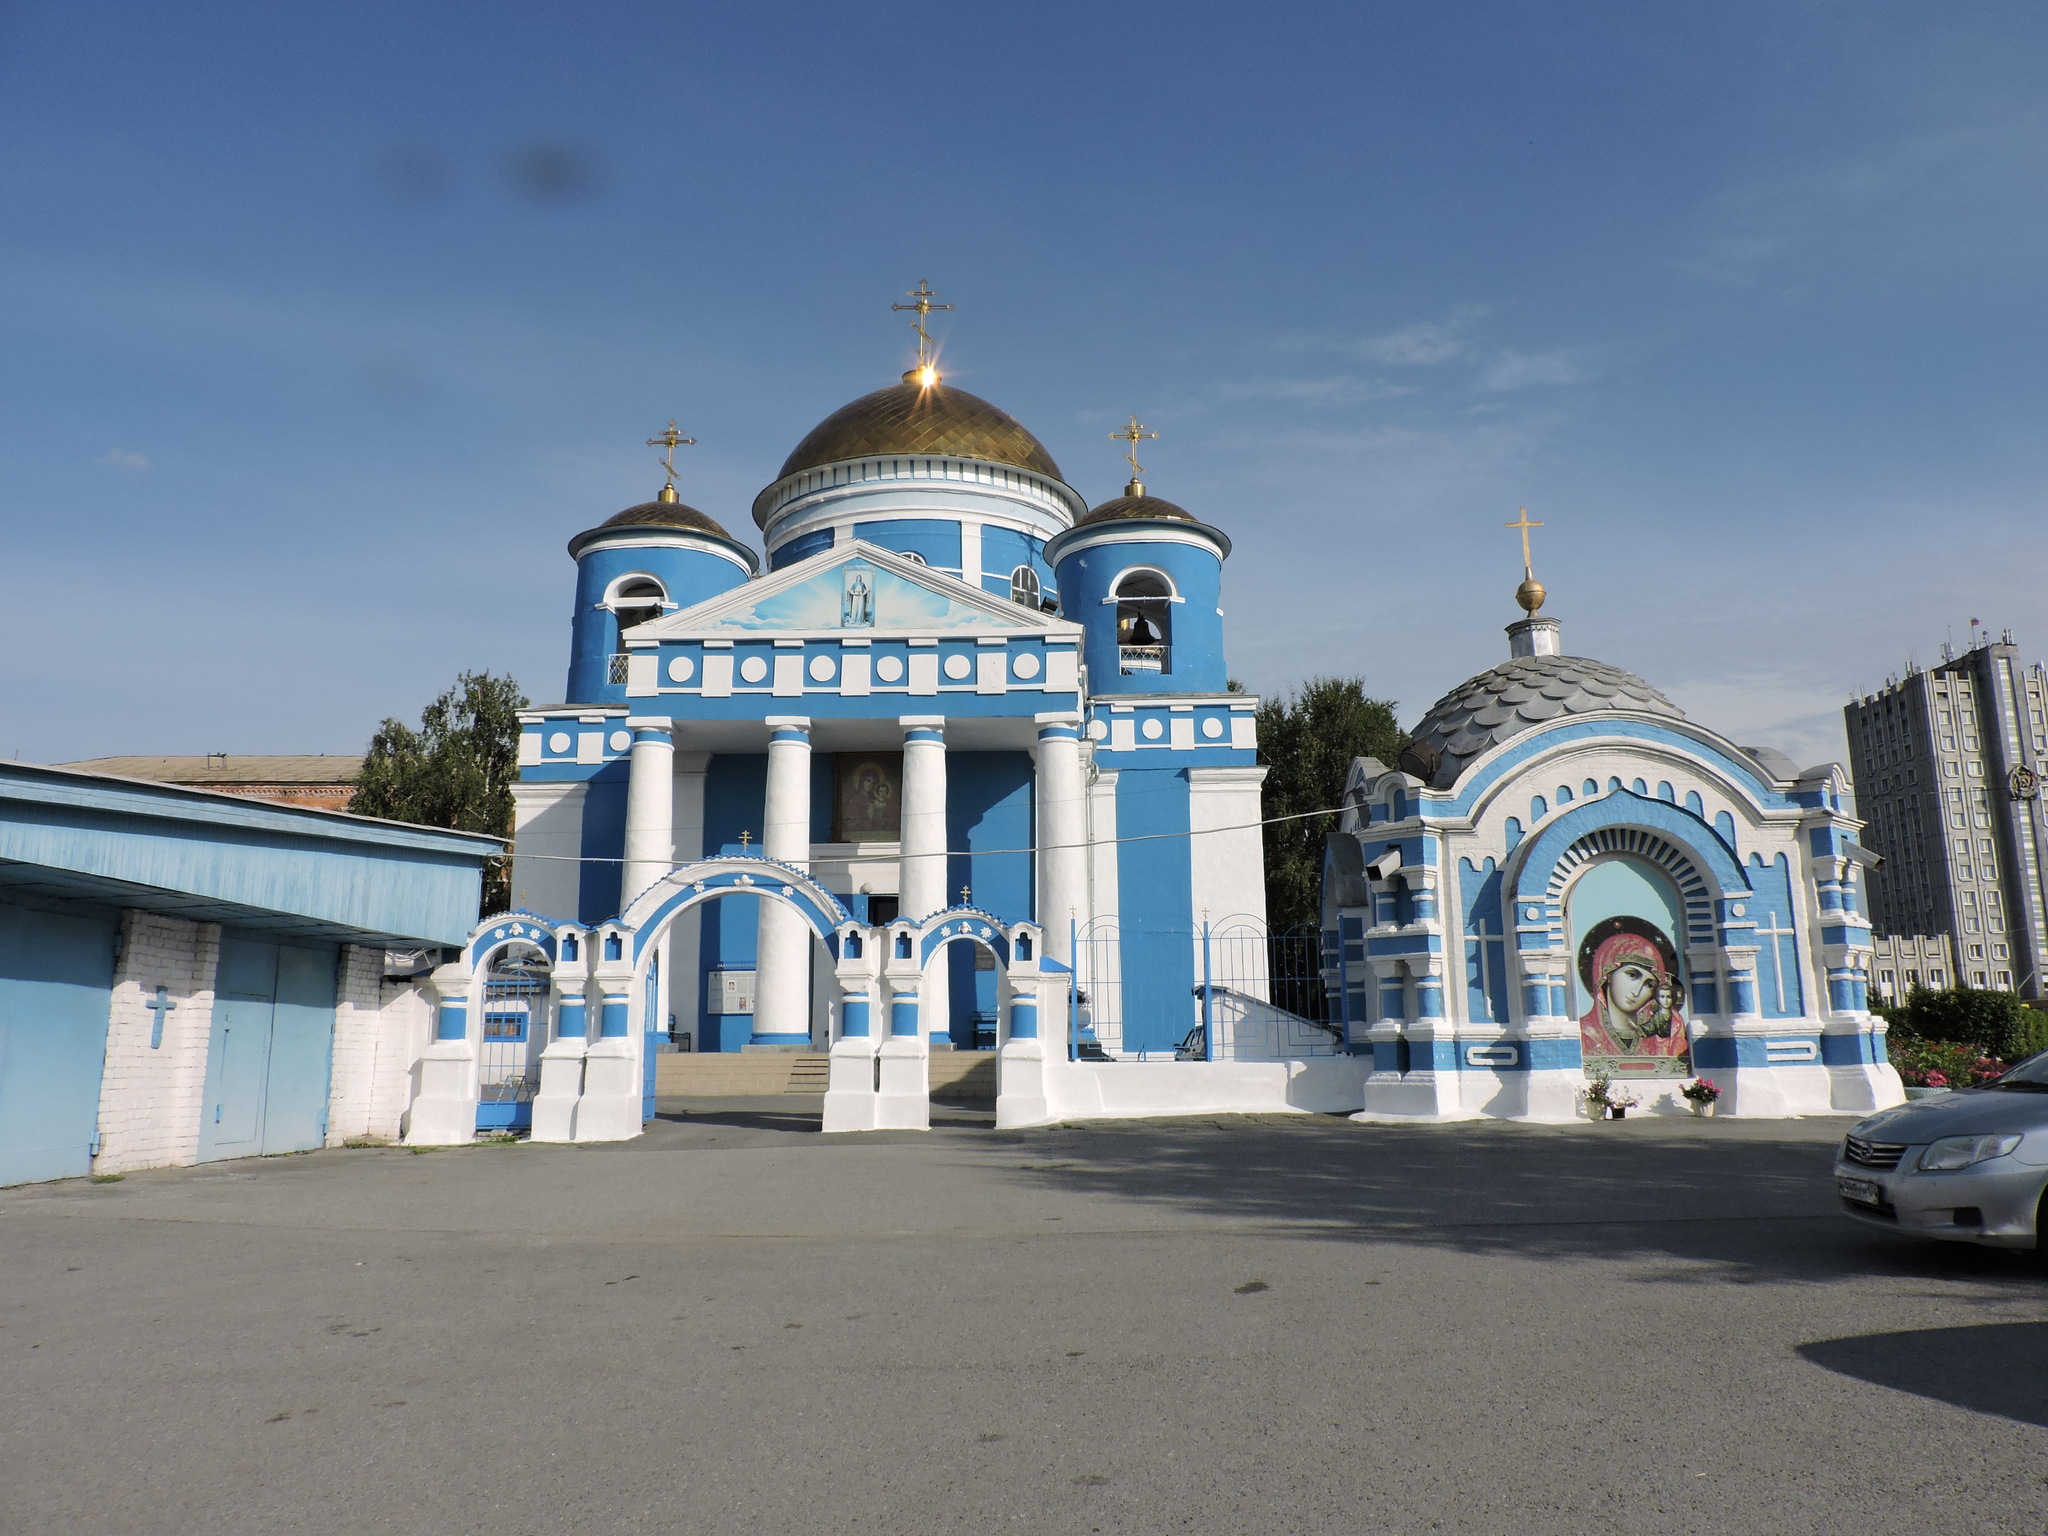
(1516, 696)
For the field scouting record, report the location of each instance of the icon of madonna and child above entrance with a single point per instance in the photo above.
(1565, 879)
(1630, 997)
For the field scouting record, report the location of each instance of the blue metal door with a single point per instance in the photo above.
(301, 1050)
(56, 980)
(238, 1053)
(272, 1047)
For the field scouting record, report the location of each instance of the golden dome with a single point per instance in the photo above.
(935, 419)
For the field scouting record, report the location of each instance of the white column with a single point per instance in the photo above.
(1062, 833)
(922, 888)
(923, 881)
(782, 965)
(650, 808)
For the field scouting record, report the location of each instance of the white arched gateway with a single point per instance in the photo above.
(593, 1074)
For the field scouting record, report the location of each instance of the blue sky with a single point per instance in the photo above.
(324, 328)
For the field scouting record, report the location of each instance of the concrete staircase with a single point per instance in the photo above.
(760, 1074)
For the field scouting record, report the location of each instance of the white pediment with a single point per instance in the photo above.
(856, 588)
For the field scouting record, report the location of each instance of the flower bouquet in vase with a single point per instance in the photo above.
(1702, 1095)
(1598, 1087)
(1619, 1104)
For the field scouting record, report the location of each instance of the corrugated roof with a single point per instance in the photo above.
(229, 768)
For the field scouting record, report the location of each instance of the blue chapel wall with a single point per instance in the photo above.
(1088, 576)
(1778, 972)
(1155, 886)
(1486, 959)
(604, 838)
(802, 547)
(689, 575)
(935, 541)
(988, 812)
(735, 789)
(1003, 550)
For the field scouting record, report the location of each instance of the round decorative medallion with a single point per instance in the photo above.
(1212, 727)
(1153, 729)
(1024, 664)
(559, 742)
(822, 668)
(680, 669)
(622, 741)
(889, 669)
(753, 669)
(958, 666)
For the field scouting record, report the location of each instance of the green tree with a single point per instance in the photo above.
(1996, 1023)
(455, 771)
(1307, 741)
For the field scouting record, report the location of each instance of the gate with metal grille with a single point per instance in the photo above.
(515, 1032)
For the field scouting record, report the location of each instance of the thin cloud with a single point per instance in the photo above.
(1519, 370)
(1424, 344)
(1342, 390)
(123, 458)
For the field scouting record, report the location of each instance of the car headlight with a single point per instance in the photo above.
(1953, 1152)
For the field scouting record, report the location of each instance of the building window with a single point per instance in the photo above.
(1937, 979)
(1144, 622)
(635, 600)
(1024, 587)
(2005, 979)
(1976, 951)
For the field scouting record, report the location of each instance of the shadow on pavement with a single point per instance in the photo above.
(1724, 1202)
(1999, 1368)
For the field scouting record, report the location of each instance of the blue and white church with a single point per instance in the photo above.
(1564, 877)
(881, 793)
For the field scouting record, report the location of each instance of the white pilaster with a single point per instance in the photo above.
(782, 967)
(922, 883)
(650, 808)
(443, 1113)
(1062, 832)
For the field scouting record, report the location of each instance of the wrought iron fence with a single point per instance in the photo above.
(1225, 991)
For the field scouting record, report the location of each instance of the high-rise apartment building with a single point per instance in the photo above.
(1948, 763)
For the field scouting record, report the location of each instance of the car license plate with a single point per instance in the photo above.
(1862, 1191)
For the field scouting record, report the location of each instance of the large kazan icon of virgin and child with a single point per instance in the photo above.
(1636, 1024)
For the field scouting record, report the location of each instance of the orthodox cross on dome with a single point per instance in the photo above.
(669, 442)
(966, 894)
(921, 303)
(1530, 593)
(746, 837)
(1133, 433)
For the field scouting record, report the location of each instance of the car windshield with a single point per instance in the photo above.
(2030, 1076)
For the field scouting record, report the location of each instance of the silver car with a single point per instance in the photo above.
(1970, 1166)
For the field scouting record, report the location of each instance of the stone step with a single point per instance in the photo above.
(753, 1074)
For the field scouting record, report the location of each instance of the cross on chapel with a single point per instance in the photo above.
(1769, 929)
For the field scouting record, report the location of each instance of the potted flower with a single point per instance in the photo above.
(1619, 1104)
(1597, 1090)
(1702, 1094)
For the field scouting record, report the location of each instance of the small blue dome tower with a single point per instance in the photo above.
(647, 561)
(1145, 578)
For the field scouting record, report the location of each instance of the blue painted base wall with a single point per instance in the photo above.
(56, 984)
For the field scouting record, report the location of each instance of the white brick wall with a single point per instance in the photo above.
(150, 1100)
(380, 1028)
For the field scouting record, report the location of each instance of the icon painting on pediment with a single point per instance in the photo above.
(1630, 996)
(857, 597)
(861, 595)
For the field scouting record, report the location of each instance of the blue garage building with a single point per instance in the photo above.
(186, 975)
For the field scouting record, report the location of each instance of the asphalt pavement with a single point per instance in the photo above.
(1229, 1325)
